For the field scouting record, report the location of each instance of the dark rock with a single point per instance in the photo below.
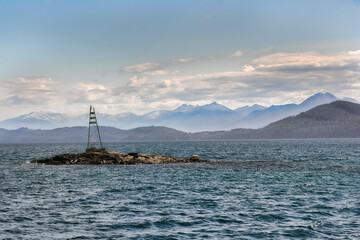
(134, 154)
(111, 157)
(194, 158)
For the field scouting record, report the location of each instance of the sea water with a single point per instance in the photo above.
(261, 189)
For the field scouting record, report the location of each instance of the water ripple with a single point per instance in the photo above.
(254, 189)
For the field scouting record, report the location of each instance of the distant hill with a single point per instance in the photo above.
(79, 134)
(338, 119)
(208, 117)
(261, 118)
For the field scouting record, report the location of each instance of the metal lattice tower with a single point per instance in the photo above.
(92, 131)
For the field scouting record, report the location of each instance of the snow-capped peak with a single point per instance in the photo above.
(209, 107)
(185, 108)
(250, 108)
(47, 116)
(213, 107)
(319, 98)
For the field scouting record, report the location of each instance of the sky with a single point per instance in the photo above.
(141, 56)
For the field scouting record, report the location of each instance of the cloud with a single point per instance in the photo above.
(137, 82)
(238, 53)
(337, 72)
(309, 61)
(142, 67)
(155, 68)
(157, 73)
(29, 84)
(248, 68)
(276, 78)
(270, 79)
(89, 93)
(183, 60)
(24, 90)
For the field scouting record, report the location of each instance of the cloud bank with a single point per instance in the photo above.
(275, 78)
(28, 91)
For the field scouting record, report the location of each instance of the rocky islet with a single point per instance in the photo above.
(112, 157)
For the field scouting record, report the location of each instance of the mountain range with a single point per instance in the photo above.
(189, 118)
(339, 119)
